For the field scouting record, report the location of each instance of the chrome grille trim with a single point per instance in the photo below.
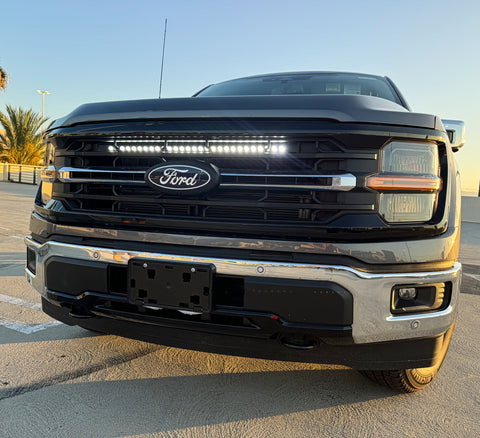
(65, 176)
(342, 182)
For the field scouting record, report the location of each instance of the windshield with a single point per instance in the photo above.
(304, 83)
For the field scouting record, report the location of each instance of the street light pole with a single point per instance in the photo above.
(163, 57)
(43, 92)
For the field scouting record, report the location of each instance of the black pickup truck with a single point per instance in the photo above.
(298, 216)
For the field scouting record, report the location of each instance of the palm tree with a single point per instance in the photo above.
(3, 79)
(22, 141)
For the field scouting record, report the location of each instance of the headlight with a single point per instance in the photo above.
(408, 181)
(410, 158)
(401, 207)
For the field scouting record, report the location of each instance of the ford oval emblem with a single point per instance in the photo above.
(188, 178)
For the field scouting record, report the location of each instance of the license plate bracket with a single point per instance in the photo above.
(174, 285)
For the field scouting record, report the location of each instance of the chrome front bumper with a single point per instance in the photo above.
(372, 320)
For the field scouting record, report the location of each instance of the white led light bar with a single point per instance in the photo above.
(240, 146)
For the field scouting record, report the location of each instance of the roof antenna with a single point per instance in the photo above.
(163, 57)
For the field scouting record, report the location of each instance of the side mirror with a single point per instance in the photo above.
(456, 133)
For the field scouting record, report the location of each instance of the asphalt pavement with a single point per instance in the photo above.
(61, 381)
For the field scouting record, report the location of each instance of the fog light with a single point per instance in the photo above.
(420, 298)
(407, 293)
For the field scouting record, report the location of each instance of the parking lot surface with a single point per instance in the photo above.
(58, 381)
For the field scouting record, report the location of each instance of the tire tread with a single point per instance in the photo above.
(410, 380)
(394, 379)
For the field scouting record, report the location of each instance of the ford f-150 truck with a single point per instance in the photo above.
(305, 216)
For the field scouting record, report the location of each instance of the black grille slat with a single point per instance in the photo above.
(271, 205)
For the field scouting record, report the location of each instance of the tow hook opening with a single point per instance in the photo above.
(298, 342)
(80, 313)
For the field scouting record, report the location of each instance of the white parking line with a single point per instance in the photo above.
(476, 277)
(19, 302)
(21, 327)
(26, 329)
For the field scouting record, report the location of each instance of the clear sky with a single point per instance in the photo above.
(87, 51)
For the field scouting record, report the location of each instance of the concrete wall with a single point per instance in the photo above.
(471, 209)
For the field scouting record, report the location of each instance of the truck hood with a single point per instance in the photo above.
(341, 108)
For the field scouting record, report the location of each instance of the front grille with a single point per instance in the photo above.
(312, 183)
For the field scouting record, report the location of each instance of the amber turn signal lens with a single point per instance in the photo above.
(404, 183)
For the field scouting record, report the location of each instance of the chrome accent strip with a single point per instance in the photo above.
(275, 175)
(81, 170)
(100, 181)
(286, 186)
(64, 175)
(413, 317)
(372, 320)
(343, 182)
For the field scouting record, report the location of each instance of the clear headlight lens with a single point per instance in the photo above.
(410, 158)
(399, 207)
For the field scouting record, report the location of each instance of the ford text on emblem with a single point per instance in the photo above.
(183, 177)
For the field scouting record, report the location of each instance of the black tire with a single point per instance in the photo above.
(414, 379)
